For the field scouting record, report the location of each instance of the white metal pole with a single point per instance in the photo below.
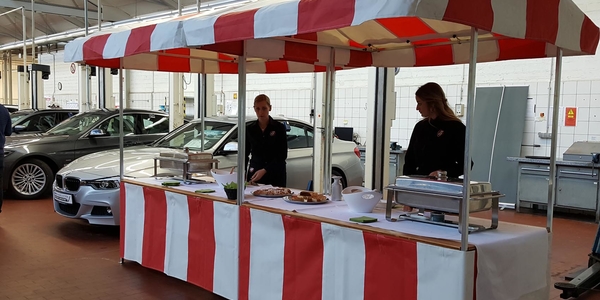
(553, 143)
(202, 99)
(87, 68)
(198, 4)
(121, 143)
(99, 15)
(464, 208)
(179, 7)
(24, 53)
(241, 158)
(328, 121)
(32, 33)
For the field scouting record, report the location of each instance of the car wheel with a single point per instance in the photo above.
(336, 172)
(31, 179)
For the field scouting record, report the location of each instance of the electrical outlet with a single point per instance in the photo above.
(458, 109)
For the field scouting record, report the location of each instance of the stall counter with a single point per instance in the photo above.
(283, 250)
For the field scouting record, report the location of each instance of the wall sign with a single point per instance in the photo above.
(59, 86)
(570, 116)
(72, 68)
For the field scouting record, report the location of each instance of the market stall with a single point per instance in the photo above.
(308, 36)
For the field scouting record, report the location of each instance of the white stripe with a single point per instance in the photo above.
(74, 50)
(486, 51)
(431, 9)
(296, 67)
(265, 49)
(256, 67)
(267, 241)
(143, 61)
(178, 227)
(226, 222)
(134, 222)
(342, 57)
(343, 263)
(448, 270)
(167, 35)
(116, 44)
(510, 17)
(276, 20)
(199, 31)
(395, 58)
(365, 10)
(570, 21)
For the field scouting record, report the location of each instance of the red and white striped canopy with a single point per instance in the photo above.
(282, 36)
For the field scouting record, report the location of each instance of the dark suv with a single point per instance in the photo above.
(31, 161)
(35, 121)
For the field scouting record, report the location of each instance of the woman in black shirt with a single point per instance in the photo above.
(266, 141)
(438, 141)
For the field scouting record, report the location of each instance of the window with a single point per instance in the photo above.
(112, 125)
(299, 136)
(189, 136)
(154, 124)
(39, 122)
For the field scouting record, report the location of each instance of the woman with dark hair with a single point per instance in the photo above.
(437, 142)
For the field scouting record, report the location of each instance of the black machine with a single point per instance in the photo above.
(586, 280)
(589, 278)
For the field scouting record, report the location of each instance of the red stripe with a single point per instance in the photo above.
(406, 27)
(122, 207)
(235, 48)
(303, 259)
(139, 40)
(314, 15)
(311, 36)
(385, 278)
(235, 26)
(468, 12)
(228, 68)
(155, 229)
(244, 256)
(475, 277)
(542, 20)
(278, 66)
(589, 36)
(360, 59)
(300, 52)
(175, 64)
(201, 243)
(94, 47)
(433, 55)
(105, 63)
(519, 49)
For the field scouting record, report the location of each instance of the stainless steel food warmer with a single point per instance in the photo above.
(185, 164)
(436, 197)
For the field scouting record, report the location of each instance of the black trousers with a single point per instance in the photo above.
(275, 178)
(1, 179)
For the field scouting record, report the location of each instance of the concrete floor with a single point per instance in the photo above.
(45, 256)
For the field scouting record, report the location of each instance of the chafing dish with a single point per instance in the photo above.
(185, 163)
(440, 196)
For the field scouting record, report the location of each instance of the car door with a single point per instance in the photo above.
(151, 127)
(87, 144)
(299, 161)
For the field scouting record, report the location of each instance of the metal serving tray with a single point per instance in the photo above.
(196, 162)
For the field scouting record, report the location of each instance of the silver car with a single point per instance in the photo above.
(88, 188)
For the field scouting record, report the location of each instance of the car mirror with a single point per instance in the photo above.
(231, 147)
(98, 132)
(18, 128)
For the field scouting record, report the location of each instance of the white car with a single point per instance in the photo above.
(88, 188)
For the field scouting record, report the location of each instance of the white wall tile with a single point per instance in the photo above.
(569, 88)
(584, 87)
(580, 137)
(594, 128)
(595, 87)
(595, 114)
(569, 100)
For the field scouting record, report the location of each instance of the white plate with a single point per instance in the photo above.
(289, 200)
(63, 198)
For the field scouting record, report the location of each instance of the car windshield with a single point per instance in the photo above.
(189, 136)
(18, 116)
(75, 125)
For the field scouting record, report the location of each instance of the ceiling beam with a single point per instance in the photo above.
(109, 14)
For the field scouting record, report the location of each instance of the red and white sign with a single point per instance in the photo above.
(72, 68)
(571, 116)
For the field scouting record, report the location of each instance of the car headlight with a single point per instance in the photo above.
(8, 152)
(102, 184)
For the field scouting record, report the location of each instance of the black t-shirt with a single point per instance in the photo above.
(268, 148)
(436, 145)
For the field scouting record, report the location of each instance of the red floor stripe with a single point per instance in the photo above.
(201, 243)
(244, 256)
(303, 260)
(155, 229)
(385, 278)
(122, 219)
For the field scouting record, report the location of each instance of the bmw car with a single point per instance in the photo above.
(32, 160)
(88, 188)
(30, 121)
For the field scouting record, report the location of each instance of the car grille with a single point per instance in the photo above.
(69, 209)
(59, 181)
(72, 184)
